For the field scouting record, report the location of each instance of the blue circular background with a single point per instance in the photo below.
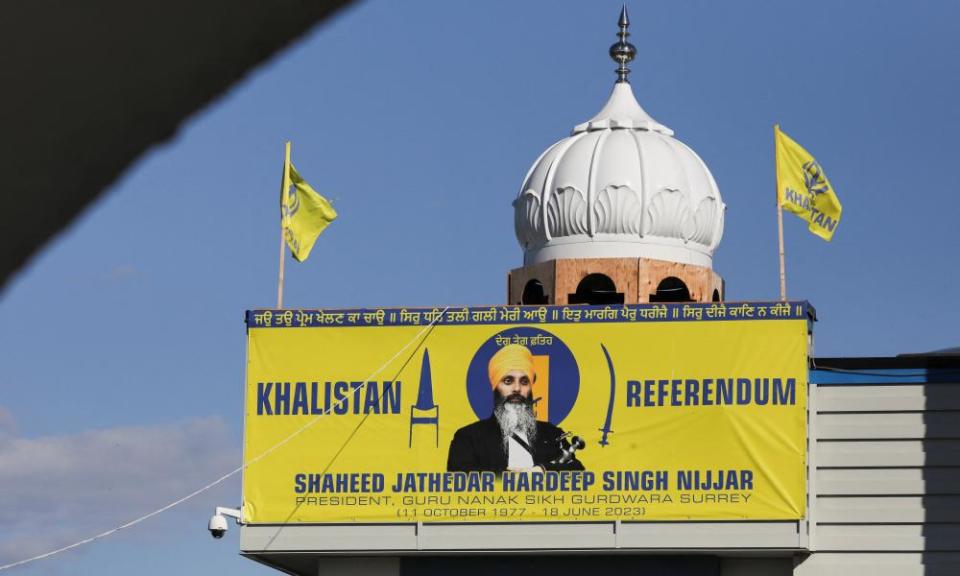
(564, 374)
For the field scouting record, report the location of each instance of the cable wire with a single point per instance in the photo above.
(876, 373)
(352, 434)
(234, 472)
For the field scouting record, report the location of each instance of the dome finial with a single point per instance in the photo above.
(623, 52)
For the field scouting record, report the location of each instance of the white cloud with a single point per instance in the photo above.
(57, 489)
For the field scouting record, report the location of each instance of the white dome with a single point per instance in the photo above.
(619, 187)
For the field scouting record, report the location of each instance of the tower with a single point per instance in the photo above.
(619, 212)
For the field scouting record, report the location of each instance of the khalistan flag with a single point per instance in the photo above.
(803, 188)
(304, 212)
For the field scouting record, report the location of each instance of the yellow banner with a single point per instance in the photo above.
(803, 188)
(581, 413)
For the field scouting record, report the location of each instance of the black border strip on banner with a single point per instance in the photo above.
(491, 315)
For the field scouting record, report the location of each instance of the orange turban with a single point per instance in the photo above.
(510, 357)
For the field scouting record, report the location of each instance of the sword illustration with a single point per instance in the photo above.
(613, 393)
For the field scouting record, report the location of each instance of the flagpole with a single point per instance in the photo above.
(783, 272)
(283, 242)
(283, 253)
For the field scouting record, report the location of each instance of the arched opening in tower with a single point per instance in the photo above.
(596, 289)
(671, 289)
(533, 294)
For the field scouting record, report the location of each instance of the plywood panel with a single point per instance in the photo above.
(517, 280)
(700, 281)
(623, 272)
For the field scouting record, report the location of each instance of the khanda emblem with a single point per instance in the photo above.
(813, 178)
(292, 204)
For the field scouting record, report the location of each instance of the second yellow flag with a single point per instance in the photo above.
(803, 188)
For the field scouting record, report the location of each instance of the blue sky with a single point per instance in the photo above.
(122, 343)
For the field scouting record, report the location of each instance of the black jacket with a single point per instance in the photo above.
(479, 446)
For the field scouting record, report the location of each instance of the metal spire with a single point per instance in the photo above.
(623, 52)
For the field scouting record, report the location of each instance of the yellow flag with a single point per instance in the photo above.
(304, 212)
(803, 188)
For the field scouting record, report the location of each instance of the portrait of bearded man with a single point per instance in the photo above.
(511, 438)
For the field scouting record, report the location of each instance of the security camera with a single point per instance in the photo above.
(217, 526)
(218, 522)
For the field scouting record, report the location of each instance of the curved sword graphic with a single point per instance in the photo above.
(613, 393)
